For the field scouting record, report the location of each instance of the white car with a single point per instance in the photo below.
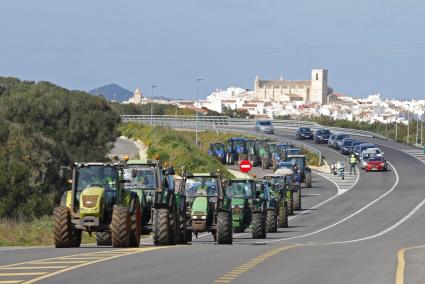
(375, 151)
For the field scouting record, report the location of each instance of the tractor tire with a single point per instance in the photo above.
(189, 236)
(103, 239)
(271, 221)
(76, 239)
(308, 180)
(135, 224)
(283, 215)
(174, 228)
(297, 200)
(258, 226)
(161, 227)
(290, 203)
(62, 227)
(120, 227)
(182, 231)
(224, 228)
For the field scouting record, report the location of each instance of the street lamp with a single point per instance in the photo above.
(153, 87)
(197, 103)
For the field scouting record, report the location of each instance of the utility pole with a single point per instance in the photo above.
(396, 130)
(408, 126)
(197, 103)
(153, 87)
(417, 129)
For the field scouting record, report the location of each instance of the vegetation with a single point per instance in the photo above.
(34, 233)
(177, 146)
(43, 127)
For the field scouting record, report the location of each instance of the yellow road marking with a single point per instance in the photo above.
(241, 269)
(92, 262)
(22, 273)
(10, 281)
(33, 267)
(59, 262)
(401, 264)
(81, 258)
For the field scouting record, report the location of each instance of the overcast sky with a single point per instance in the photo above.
(367, 46)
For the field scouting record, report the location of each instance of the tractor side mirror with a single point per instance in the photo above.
(123, 181)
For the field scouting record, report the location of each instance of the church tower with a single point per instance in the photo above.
(137, 96)
(319, 86)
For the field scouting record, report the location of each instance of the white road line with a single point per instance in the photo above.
(392, 227)
(344, 219)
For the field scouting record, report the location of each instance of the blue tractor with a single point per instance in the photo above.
(236, 150)
(219, 151)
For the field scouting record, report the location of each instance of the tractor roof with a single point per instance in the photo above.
(141, 162)
(296, 156)
(89, 164)
(237, 138)
(213, 175)
(242, 179)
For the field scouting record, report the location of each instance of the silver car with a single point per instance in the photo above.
(264, 126)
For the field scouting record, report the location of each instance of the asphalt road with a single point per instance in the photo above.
(355, 237)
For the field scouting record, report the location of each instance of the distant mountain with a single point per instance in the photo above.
(112, 92)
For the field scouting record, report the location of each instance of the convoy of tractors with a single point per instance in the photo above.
(119, 202)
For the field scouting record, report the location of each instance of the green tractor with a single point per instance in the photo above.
(303, 172)
(272, 207)
(263, 153)
(163, 209)
(241, 191)
(97, 202)
(259, 211)
(281, 195)
(208, 207)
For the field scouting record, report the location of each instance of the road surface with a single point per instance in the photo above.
(358, 236)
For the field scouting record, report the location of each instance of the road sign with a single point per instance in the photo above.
(245, 166)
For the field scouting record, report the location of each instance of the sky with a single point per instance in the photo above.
(367, 46)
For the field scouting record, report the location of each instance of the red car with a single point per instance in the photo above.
(376, 164)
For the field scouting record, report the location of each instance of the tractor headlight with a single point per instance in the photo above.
(203, 217)
(90, 201)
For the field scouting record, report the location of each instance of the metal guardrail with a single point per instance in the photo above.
(189, 122)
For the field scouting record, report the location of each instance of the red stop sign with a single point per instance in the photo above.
(245, 166)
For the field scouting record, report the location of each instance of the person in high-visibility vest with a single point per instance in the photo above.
(353, 162)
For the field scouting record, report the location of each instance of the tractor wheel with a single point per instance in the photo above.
(62, 230)
(120, 227)
(308, 180)
(290, 202)
(297, 200)
(283, 215)
(76, 239)
(182, 231)
(258, 226)
(174, 228)
(231, 160)
(161, 227)
(103, 239)
(224, 228)
(135, 223)
(188, 236)
(271, 221)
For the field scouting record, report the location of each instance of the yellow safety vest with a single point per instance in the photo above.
(353, 160)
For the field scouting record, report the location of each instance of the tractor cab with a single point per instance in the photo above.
(208, 208)
(241, 191)
(303, 170)
(236, 150)
(218, 150)
(293, 151)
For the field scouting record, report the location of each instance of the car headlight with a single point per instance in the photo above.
(382, 164)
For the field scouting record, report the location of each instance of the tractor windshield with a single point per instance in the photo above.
(201, 186)
(298, 161)
(99, 175)
(219, 147)
(261, 147)
(273, 148)
(240, 188)
(250, 146)
(142, 177)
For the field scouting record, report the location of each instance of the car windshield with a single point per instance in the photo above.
(103, 176)
(340, 137)
(323, 132)
(140, 176)
(201, 186)
(265, 123)
(365, 147)
(376, 159)
(348, 142)
(304, 129)
(240, 188)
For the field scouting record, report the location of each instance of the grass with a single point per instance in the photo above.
(178, 147)
(38, 232)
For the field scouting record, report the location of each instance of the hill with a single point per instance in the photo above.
(112, 92)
